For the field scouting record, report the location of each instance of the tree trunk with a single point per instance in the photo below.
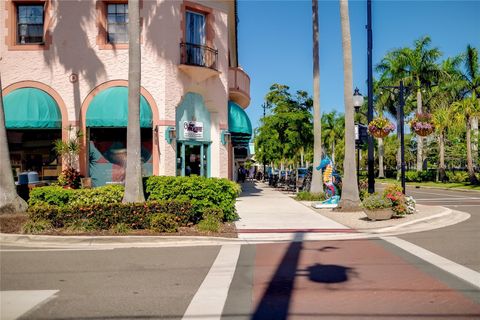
(419, 138)
(471, 172)
(475, 158)
(133, 172)
(441, 167)
(350, 199)
(317, 184)
(10, 202)
(381, 152)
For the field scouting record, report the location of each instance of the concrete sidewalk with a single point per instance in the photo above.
(268, 213)
(263, 208)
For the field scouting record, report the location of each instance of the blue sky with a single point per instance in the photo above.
(275, 41)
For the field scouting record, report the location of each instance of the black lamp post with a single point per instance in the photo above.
(357, 103)
(371, 165)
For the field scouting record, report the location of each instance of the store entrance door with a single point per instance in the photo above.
(193, 159)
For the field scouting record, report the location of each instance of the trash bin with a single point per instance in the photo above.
(22, 185)
(32, 177)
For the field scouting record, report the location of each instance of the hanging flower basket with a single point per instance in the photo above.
(422, 124)
(380, 127)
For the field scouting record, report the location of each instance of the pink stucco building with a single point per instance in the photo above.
(64, 64)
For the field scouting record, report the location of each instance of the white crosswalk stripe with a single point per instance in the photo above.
(15, 303)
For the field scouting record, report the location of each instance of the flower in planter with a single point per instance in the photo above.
(410, 205)
(376, 201)
(422, 124)
(380, 127)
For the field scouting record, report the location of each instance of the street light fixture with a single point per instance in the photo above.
(357, 103)
(357, 100)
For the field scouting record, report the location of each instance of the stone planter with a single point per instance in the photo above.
(379, 214)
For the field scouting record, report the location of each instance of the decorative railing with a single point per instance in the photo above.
(198, 55)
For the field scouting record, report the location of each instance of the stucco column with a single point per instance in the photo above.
(167, 151)
(215, 146)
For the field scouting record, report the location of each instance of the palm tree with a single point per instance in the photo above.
(447, 92)
(350, 198)
(464, 111)
(420, 65)
(333, 130)
(441, 120)
(133, 172)
(317, 185)
(472, 78)
(10, 202)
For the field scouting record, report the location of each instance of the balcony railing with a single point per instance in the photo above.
(198, 55)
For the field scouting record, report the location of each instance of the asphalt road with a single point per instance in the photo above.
(459, 242)
(139, 283)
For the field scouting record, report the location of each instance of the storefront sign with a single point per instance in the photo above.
(193, 129)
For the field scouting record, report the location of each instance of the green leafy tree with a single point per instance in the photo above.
(465, 110)
(287, 131)
(333, 130)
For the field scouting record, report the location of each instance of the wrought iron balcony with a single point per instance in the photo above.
(198, 55)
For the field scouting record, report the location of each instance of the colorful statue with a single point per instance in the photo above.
(332, 182)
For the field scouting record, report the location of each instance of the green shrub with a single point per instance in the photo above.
(163, 222)
(210, 223)
(308, 196)
(120, 228)
(36, 226)
(99, 195)
(427, 175)
(213, 212)
(44, 212)
(81, 225)
(412, 176)
(51, 195)
(457, 176)
(104, 216)
(200, 191)
(58, 196)
(376, 201)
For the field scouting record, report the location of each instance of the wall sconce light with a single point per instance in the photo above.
(225, 136)
(170, 134)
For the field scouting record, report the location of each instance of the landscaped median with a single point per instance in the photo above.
(175, 205)
(440, 185)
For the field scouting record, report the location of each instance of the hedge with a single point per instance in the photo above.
(202, 192)
(58, 196)
(104, 216)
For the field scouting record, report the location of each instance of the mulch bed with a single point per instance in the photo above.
(12, 223)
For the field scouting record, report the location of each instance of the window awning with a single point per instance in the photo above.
(239, 125)
(109, 108)
(31, 108)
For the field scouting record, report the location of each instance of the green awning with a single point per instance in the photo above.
(31, 108)
(109, 108)
(239, 124)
